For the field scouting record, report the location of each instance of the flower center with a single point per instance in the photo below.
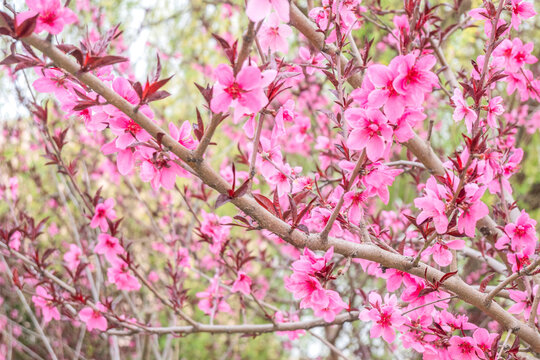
(465, 348)
(234, 90)
(520, 57)
(133, 127)
(48, 18)
(384, 320)
(412, 75)
(520, 230)
(373, 127)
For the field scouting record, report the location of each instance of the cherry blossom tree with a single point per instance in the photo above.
(336, 184)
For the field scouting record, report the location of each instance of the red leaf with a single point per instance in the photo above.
(158, 84)
(26, 28)
(265, 203)
(242, 190)
(10, 60)
(157, 96)
(447, 276)
(15, 278)
(221, 200)
(93, 63)
(486, 281)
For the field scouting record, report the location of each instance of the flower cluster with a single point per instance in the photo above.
(311, 275)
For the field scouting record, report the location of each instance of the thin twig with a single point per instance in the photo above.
(331, 346)
(247, 40)
(509, 280)
(33, 318)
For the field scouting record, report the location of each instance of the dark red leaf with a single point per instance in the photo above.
(97, 62)
(265, 203)
(26, 28)
(486, 281)
(242, 190)
(222, 199)
(447, 276)
(157, 96)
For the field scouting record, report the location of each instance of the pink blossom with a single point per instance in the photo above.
(432, 206)
(183, 135)
(73, 257)
(521, 10)
(53, 81)
(269, 156)
(109, 246)
(386, 316)
(394, 279)
(128, 131)
(215, 229)
(417, 339)
(285, 113)
(521, 235)
(123, 88)
(212, 299)
(473, 209)
(415, 293)
(103, 212)
(370, 131)
(280, 179)
(463, 111)
(273, 35)
(158, 170)
(334, 307)
(125, 161)
(258, 9)
(441, 253)
(305, 285)
(52, 15)
(414, 76)
(404, 124)
(307, 58)
(310, 263)
(484, 340)
(242, 284)
(119, 275)
(494, 108)
(385, 95)
(321, 16)
(518, 260)
(15, 240)
(523, 302)
(378, 179)
(244, 91)
(182, 258)
(355, 202)
(308, 289)
(521, 54)
(44, 301)
(450, 322)
(94, 319)
(464, 348)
